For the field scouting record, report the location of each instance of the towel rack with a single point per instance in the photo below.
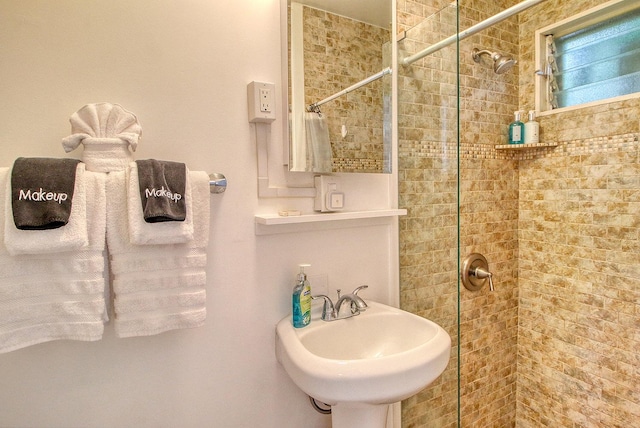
(217, 183)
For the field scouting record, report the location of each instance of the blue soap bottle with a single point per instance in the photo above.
(516, 130)
(301, 300)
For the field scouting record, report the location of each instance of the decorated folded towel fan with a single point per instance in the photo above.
(109, 134)
(42, 192)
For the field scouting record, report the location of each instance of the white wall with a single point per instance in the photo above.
(182, 66)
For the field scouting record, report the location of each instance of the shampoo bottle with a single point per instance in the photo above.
(301, 300)
(516, 130)
(532, 129)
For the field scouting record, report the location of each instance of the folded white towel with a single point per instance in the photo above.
(169, 232)
(72, 236)
(109, 134)
(59, 295)
(160, 287)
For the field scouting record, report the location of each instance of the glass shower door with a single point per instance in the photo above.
(428, 184)
(461, 195)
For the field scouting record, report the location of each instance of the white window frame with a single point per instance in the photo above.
(566, 26)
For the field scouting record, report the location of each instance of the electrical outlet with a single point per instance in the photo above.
(266, 100)
(261, 102)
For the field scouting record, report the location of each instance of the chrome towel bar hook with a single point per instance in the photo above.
(217, 183)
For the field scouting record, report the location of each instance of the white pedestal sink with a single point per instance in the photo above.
(361, 364)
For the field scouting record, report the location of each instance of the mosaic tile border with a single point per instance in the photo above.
(360, 165)
(608, 144)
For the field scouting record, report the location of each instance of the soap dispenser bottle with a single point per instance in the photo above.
(301, 300)
(532, 129)
(516, 130)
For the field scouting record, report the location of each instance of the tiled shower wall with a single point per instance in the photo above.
(559, 227)
(339, 52)
(579, 319)
(579, 259)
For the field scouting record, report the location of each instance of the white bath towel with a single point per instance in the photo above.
(72, 236)
(319, 156)
(143, 233)
(109, 134)
(161, 287)
(45, 297)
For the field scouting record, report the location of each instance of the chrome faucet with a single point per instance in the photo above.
(331, 312)
(357, 304)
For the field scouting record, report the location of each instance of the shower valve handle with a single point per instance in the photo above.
(482, 273)
(475, 272)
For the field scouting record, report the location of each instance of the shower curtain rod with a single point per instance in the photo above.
(507, 13)
(353, 87)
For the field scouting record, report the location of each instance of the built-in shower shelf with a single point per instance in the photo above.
(527, 146)
(274, 223)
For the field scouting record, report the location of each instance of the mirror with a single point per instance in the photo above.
(339, 79)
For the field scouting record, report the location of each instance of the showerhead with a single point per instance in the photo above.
(501, 63)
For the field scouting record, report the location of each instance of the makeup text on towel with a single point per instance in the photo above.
(42, 196)
(162, 193)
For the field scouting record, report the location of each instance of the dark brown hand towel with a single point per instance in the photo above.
(42, 192)
(162, 186)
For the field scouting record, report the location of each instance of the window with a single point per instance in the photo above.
(591, 58)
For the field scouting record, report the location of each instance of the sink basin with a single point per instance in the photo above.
(368, 361)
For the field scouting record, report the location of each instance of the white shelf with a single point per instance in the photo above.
(275, 219)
